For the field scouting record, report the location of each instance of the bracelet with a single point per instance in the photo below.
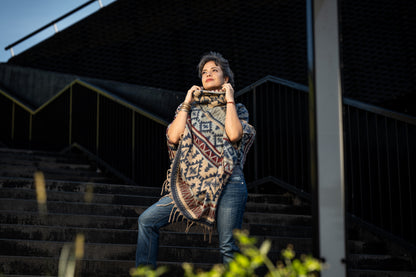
(185, 107)
(230, 102)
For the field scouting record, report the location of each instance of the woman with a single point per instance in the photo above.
(208, 141)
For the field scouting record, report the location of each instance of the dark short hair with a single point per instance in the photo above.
(219, 60)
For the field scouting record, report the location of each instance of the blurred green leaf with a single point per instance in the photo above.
(265, 247)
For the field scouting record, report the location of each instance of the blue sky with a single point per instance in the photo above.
(19, 18)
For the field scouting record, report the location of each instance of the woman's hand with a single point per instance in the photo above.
(229, 92)
(177, 126)
(190, 94)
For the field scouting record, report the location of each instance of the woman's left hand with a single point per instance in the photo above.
(229, 92)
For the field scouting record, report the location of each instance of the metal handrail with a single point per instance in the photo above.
(51, 23)
(380, 111)
(270, 78)
(134, 107)
(347, 101)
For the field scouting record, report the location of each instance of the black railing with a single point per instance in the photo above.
(279, 111)
(380, 165)
(125, 138)
(380, 153)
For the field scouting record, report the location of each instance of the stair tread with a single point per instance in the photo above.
(156, 195)
(27, 181)
(35, 213)
(162, 230)
(155, 190)
(129, 204)
(380, 273)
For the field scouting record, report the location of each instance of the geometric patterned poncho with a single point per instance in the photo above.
(203, 161)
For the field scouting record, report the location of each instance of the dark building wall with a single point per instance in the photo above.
(379, 52)
(158, 43)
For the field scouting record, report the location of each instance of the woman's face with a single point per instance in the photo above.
(212, 76)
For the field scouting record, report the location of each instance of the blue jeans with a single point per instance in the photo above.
(229, 217)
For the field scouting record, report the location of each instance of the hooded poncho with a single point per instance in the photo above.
(203, 160)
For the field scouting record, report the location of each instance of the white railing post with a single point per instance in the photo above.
(55, 27)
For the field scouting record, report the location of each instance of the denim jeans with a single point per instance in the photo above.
(230, 212)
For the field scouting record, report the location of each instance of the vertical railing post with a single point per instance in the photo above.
(30, 129)
(13, 120)
(97, 127)
(327, 159)
(133, 144)
(70, 117)
(256, 150)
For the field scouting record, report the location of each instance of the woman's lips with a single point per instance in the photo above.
(209, 80)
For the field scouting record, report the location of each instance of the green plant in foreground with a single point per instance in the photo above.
(148, 271)
(253, 258)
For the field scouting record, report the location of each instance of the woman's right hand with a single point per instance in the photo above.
(190, 95)
(177, 127)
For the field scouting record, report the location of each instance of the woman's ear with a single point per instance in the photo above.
(226, 79)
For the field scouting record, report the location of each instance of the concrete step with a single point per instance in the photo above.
(30, 194)
(379, 273)
(73, 208)
(79, 186)
(54, 174)
(107, 251)
(66, 234)
(46, 266)
(27, 171)
(79, 197)
(19, 275)
(130, 223)
(114, 188)
(43, 248)
(381, 262)
(41, 156)
(42, 165)
(117, 236)
(367, 247)
(69, 220)
(69, 208)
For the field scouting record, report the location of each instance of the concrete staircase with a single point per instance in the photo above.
(31, 243)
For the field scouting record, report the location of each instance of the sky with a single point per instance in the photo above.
(19, 18)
